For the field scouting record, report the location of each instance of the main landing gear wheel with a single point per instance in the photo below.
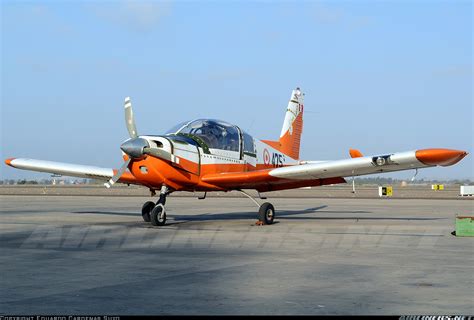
(266, 213)
(158, 215)
(146, 210)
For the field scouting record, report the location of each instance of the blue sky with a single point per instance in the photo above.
(380, 76)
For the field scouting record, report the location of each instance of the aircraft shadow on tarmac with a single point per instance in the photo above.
(283, 214)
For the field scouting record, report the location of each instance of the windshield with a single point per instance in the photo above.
(216, 134)
(177, 127)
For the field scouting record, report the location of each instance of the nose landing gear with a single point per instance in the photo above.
(156, 213)
(146, 210)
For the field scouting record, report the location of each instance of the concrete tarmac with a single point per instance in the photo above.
(333, 191)
(95, 255)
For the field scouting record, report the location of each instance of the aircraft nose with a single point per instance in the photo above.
(440, 157)
(134, 147)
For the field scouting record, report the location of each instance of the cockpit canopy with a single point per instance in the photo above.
(215, 134)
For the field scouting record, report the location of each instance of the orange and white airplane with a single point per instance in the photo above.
(211, 155)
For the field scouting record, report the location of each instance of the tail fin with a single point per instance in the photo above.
(290, 136)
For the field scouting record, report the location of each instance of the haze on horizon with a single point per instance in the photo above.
(378, 76)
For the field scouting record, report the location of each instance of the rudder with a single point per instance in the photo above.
(290, 136)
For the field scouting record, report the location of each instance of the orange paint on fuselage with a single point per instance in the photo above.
(154, 172)
(159, 172)
(187, 165)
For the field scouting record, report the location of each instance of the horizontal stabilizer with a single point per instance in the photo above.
(354, 153)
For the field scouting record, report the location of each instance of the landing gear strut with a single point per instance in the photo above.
(266, 211)
(156, 213)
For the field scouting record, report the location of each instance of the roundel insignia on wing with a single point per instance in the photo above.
(266, 156)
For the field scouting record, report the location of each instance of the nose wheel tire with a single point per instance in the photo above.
(266, 213)
(158, 215)
(146, 210)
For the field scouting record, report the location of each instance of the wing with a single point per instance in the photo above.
(332, 172)
(372, 164)
(67, 169)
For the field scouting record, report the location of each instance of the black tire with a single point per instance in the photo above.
(266, 213)
(146, 210)
(158, 215)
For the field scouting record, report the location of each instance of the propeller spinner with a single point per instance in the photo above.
(135, 147)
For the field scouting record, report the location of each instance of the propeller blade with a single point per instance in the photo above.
(129, 119)
(159, 153)
(119, 173)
